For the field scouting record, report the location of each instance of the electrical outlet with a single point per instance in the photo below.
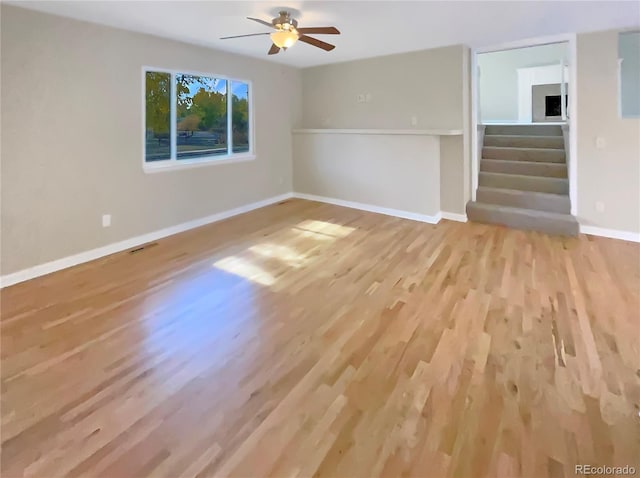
(599, 206)
(600, 142)
(367, 98)
(106, 220)
(360, 98)
(414, 121)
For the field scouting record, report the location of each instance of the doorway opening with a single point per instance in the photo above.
(524, 85)
(529, 82)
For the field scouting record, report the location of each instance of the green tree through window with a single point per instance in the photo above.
(203, 126)
(201, 116)
(240, 115)
(158, 119)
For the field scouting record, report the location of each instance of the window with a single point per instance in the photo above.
(629, 74)
(193, 119)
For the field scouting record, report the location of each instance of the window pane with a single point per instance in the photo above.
(201, 116)
(629, 53)
(157, 116)
(240, 116)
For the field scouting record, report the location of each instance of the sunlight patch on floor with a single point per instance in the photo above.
(245, 268)
(289, 257)
(322, 230)
(282, 253)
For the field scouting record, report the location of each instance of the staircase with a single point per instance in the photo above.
(523, 180)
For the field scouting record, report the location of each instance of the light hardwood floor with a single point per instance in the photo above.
(305, 339)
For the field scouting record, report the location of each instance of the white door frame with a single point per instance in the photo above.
(570, 38)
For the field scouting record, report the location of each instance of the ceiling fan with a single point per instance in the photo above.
(287, 33)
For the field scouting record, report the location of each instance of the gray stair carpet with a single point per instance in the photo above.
(523, 181)
(524, 129)
(542, 155)
(523, 141)
(528, 168)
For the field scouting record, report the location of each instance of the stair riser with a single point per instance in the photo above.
(524, 221)
(511, 154)
(529, 168)
(528, 130)
(524, 183)
(525, 141)
(524, 199)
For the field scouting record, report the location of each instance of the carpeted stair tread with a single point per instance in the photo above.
(544, 155)
(522, 218)
(523, 129)
(524, 182)
(550, 202)
(524, 141)
(529, 168)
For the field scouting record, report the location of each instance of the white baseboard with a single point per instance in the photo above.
(370, 208)
(93, 254)
(611, 233)
(452, 216)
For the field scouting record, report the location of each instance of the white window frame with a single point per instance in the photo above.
(173, 163)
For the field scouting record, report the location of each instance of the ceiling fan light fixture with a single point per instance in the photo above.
(284, 38)
(287, 33)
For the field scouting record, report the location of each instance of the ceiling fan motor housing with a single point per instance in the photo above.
(285, 22)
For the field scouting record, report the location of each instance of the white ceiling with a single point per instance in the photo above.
(369, 28)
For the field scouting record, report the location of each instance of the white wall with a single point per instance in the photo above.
(72, 137)
(498, 82)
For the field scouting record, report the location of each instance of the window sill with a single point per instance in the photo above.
(164, 166)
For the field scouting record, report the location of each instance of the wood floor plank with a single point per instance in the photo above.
(306, 339)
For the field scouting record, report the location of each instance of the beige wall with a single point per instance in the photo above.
(430, 85)
(453, 176)
(72, 138)
(389, 171)
(426, 84)
(610, 175)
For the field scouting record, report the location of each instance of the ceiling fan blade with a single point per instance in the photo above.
(268, 24)
(315, 42)
(320, 30)
(274, 49)
(249, 35)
